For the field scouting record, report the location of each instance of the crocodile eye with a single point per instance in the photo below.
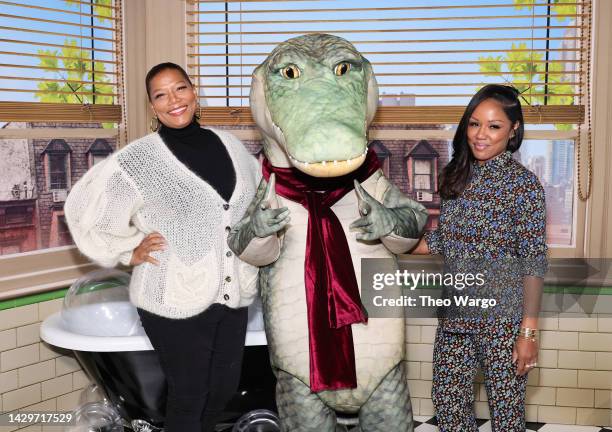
(291, 72)
(342, 68)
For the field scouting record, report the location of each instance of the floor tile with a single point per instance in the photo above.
(432, 421)
(429, 424)
(481, 422)
(425, 427)
(485, 427)
(534, 426)
(568, 428)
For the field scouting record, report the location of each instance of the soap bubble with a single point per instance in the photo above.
(95, 413)
(260, 420)
(98, 304)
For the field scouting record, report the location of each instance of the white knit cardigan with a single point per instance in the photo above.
(144, 188)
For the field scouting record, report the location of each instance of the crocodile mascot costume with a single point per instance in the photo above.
(322, 205)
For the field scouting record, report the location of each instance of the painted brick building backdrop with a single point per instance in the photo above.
(397, 158)
(31, 205)
(31, 209)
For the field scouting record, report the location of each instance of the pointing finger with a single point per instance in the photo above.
(270, 193)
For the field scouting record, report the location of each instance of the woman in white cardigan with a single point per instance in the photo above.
(164, 205)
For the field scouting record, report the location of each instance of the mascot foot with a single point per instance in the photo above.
(387, 409)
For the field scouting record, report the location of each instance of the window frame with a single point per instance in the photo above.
(51, 182)
(27, 221)
(33, 272)
(46, 269)
(95, 151)
(430, 175)
(435, 115)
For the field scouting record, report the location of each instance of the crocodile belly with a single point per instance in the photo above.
(379, 344)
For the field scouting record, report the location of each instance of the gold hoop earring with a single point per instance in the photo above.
(154, 124)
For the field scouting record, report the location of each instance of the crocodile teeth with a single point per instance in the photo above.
(335, 162)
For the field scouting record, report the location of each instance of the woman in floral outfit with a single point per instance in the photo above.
(492, 220)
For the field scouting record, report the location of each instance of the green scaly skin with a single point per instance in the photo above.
(303, 116)
(318, 105)
(320, 116)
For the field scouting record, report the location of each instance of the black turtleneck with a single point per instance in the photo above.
(202, 151)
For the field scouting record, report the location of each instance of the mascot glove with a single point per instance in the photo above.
(267, 218)
(376, 220)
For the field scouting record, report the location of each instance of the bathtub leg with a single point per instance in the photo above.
(143, 426)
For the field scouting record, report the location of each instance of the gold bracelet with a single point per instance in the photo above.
(528, 333)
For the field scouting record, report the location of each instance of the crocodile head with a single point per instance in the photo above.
(313, 99)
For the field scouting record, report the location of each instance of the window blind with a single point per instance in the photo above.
(60, 60)
(429, 60)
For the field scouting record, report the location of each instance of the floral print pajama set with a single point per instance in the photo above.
(499, 216)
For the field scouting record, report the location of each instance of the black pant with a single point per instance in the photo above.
(201, 357)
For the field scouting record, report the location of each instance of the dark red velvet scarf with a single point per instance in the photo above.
(332, 294)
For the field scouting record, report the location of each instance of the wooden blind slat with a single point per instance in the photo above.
(396, 74)
(408, 30)
(66, 23)
(382, 84)
(397, 41)
(80, 93)
(51, 68)
(405, 95)
(51, 112)
(38, 79)
(28, 42)
(376, 53)
(7, 3)
(228, 116)
(72, 35)
(398, 63)
(388, 19)
(371, 9)
(20, 54)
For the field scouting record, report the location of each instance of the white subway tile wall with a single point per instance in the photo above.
(572, 384)
(33, 375)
